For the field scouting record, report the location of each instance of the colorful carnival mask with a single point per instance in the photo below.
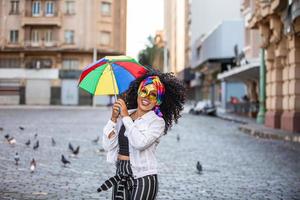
(149, 91)
(154, 84)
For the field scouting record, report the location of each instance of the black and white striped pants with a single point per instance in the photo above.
(126, 187)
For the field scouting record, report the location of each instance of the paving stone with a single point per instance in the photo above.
(235, 165)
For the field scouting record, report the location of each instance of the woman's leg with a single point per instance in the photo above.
(145, 188)
(120, 190)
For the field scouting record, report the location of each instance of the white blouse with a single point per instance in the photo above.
(143, 137)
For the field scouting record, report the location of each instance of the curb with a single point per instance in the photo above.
(232, 119)
(55, 107)
(266, 134)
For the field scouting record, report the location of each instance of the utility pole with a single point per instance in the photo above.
(262, 88)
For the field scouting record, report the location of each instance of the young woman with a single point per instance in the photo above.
(130, 137)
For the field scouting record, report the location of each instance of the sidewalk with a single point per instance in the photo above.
(250, 127)
(57, 107)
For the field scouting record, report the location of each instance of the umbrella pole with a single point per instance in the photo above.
(113, 82)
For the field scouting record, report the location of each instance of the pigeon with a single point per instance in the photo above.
(178, 138)
(53, 142)
(199, 167)
(1, 128)
(76, 151)
(35, 136)
(32, 165)
(17, 158)
(11, 140)
(6, 136)
(96, 140)
(27, 143)
(64, 160)
(21, 128)
(101, 150)
(71, 147)
(36, 145)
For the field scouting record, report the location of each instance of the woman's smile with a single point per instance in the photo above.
(145, 102)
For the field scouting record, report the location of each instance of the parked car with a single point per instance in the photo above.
(203, 107)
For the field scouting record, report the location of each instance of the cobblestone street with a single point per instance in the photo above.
(235, 165)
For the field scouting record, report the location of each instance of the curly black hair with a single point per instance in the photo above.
(173, 101)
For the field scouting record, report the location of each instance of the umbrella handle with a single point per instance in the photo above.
(115, 101)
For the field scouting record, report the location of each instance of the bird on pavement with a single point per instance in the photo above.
(21, 128)
(101, 150)
(11, 140)
(6, 136)
(27, 143)
(199, 167)
(17, 158)
(53, 142)
(35, 136)
(36, 145)
(95, 141)
(178, 138)
(64, 160)
(76, 151)
(71, 148)
(32, 165)
(1, 128)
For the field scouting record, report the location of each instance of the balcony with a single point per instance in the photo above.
(29, 19)
(41, 44)
(28, 73)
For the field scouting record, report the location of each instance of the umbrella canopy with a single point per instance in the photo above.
(110, 75)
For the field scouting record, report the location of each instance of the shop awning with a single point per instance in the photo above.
(245, 72)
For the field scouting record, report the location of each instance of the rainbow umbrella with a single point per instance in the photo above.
(110, 75)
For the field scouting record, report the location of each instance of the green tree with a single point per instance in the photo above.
(147, 56)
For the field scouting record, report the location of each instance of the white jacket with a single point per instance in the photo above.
(143, 136)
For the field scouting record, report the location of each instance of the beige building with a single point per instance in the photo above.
(278, 22)
(44, 44)
(177, 22)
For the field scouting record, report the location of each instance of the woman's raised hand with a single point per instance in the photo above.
(120, 103)
(115, 112)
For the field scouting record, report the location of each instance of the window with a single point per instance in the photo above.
(69, 37)
(105, 38)
(49, 8)
(70, 7)
(106, 8)
(48, 36)
(36, 7)
(36, 63)
(70, 64)
(35, 36)
(14, 36)
(14, 9)
(10, 63)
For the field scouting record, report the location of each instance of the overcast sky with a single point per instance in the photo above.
(144, 18)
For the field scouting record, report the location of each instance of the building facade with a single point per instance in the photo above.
(213, 54)
(246, 67)
(278, 22)
(206, 15)
(177, 35)
(44, 44)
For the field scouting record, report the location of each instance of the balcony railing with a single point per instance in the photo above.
(41, 19)
(41, 44)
